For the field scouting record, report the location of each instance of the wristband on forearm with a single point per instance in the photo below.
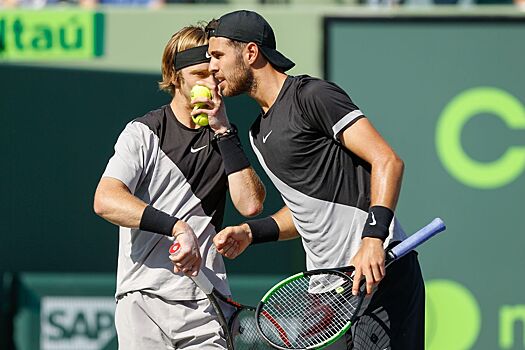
(154, 220)
(263, 230)
(378, 222)
(232, 153)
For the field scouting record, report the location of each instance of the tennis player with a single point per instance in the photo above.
(168, 181)
(339, 179)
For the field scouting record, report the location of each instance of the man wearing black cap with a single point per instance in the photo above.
(168, 181)
(338, 177)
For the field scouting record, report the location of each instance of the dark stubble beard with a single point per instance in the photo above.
(241, 80)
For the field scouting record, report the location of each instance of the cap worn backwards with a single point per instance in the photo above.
(248, 26)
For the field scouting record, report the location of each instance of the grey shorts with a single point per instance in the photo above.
(146, 322)
(394, 317)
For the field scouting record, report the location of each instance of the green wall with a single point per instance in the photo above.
(449, 95)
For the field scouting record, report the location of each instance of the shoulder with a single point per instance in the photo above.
(309, 87)
(153, 120)
(144, 128)
(308, 84)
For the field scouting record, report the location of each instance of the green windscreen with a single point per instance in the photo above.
(449, 95)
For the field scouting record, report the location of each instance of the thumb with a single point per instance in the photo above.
(219, 239)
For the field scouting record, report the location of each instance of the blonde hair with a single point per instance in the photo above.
(186, 38)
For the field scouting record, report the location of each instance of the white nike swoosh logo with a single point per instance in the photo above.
(265, 137)
(195, 150)
(373, 220)
(207, 55)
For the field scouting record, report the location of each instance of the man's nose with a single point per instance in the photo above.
(213, 67)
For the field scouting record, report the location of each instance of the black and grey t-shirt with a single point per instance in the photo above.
(177, 170)
(326, 187)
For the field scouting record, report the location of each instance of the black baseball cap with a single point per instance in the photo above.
(248, 26)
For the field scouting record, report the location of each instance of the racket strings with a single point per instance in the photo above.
(244, 332)
(309, 310)
(370, 333)
(314, 331)
(309, 329)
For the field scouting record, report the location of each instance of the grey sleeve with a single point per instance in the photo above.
(133, 155)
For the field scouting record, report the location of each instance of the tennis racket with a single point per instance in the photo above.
(240, 330)
(313, 309)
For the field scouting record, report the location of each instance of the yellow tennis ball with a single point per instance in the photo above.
(200, 91)
(200, 119)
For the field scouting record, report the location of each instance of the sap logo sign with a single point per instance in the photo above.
(85, 323)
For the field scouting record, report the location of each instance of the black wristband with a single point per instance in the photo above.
(232, 154)
(154, 220)
(378, 222)
(230, 131)
(263, 230)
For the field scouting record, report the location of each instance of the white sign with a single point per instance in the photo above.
(80, 323)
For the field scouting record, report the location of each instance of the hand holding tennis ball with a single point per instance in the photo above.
(200, 91)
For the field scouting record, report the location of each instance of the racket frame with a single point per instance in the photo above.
(343, 272)
(214, 296)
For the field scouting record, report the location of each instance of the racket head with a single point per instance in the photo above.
(244, 331)
(370, 333)
(309, 310)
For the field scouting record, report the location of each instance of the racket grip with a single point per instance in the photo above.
(203, 282)
(200, 280)
(436, 226)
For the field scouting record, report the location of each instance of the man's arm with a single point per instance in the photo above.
(246, 189)
(364, 140)
(247, 192)
(115, 203)
(387, 171)
(287, 229)
(233, 240)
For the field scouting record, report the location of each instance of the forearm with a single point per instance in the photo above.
(386, 178)
(385, 186)
(279, 226)
(287, 229)
(363, 140)
(116, 204)
(233, 240)
(247, 192)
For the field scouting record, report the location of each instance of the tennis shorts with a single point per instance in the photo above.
(145, 322)
(394, 317)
